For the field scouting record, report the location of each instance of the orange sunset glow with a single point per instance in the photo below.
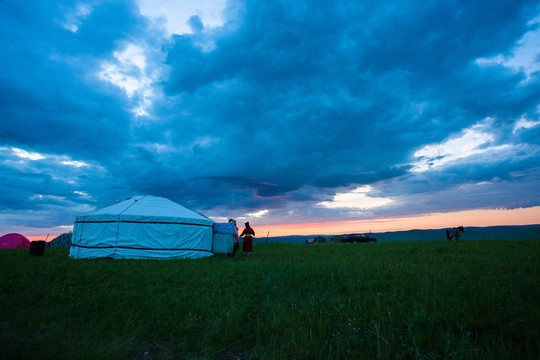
(479, 217)
(487, 217)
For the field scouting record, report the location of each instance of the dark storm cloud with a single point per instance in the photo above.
(47, 98)
(52, 102)
(282, 107)
(342, 94)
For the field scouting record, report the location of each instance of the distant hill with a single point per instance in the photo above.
(518, 232)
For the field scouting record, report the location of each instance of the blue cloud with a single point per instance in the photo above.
(352, 96)
(285, 105)
(196, 24)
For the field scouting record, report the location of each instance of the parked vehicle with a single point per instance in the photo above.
(359, 238)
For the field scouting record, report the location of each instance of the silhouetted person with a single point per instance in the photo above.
(248, 234)
(236, 245)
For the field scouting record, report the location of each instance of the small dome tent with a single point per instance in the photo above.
(14, 241)
(142, 227)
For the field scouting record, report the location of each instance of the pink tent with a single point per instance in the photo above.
(13, 241)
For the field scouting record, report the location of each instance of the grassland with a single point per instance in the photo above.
(408, 300)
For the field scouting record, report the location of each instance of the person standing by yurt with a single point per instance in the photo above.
(236, 245)
(248, 233)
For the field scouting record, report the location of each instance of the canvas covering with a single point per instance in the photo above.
(223, 237)
(142, 227)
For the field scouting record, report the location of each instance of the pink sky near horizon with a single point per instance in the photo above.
(480, 217)
(41, 237)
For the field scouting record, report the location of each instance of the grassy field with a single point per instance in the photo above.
(414, 300)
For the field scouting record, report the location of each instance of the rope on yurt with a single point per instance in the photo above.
(118, 224)
(80, 237)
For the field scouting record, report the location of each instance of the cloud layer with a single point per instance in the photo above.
(290, 111)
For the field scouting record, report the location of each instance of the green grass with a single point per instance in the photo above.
(420, 300)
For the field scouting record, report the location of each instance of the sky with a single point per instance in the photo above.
(301, 117)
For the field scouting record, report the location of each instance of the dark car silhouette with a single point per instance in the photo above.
(359, 238)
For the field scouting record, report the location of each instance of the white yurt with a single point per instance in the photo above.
(142, 227)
